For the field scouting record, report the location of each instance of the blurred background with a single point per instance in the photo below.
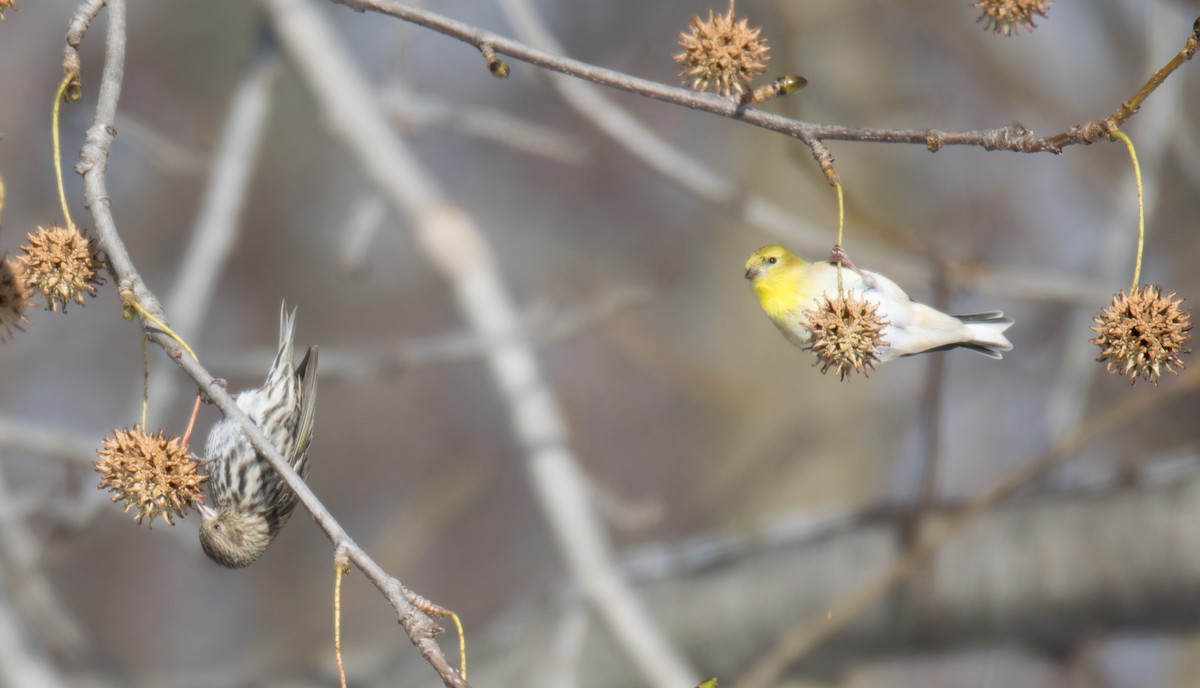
(744, 492)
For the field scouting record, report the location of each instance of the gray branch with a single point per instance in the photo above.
(93, 165)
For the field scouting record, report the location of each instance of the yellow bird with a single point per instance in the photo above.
(787, 286)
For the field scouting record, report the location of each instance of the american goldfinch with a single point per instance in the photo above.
(787, 286)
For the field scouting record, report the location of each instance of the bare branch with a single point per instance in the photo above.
(1016, 137)
(93, 165)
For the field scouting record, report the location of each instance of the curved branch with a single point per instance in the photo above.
(93, 165)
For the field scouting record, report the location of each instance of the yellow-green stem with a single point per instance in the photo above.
(462, 644)
(162, 326)
(145, 380)
(837, 184)
(62, 192)
(1137, 175)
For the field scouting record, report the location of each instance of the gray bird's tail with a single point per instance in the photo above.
(988, 332)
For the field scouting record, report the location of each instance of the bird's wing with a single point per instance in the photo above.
(307, 372)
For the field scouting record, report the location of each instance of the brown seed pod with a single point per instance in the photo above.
(1142, 333)
(62, 264)
(721, 54)
(151, 472)
(1006, 16)
(15, 297)
(846, 334)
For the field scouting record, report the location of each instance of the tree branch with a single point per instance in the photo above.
(93, 165)
(1016, 137)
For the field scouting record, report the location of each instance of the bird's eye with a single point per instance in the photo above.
(772, 260)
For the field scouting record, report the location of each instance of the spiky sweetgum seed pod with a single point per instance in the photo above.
(149, 472)
(846, 334)
(1006, 16)
(1142, 333)
(62, 264)
(15, 297)
(721, 54)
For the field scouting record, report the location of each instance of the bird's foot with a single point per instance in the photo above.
(837, 255)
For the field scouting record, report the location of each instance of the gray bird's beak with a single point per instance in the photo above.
(754, 272)
(206, 512)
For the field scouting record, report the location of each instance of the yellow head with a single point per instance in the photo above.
(777, 276)
(770, 262)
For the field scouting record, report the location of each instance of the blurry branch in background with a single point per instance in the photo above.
(541, 327)
(93, 166)
(218, 219)
(412, 110)
(457, 248)
(1050, 570)
(57, 442)
(27, 592)
(801, 640)
(159, 149)
(930, 454)
(358, 232)
(21, 664)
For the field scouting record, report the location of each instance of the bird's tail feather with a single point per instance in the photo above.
(988, 329)
(986, 317)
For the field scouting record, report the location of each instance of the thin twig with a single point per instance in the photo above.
(1014, 138)
(93, 165)
(78, 26)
